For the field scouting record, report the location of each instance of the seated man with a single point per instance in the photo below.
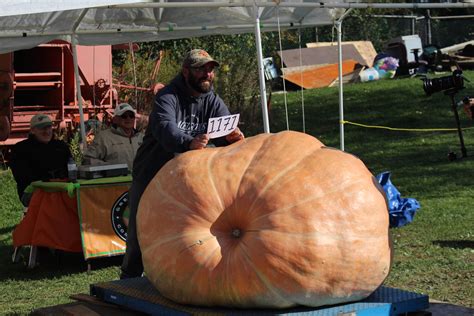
(39, 157)
(117, 144)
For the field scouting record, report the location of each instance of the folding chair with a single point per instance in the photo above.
(32, 253)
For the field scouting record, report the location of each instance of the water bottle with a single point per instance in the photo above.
(72, 170)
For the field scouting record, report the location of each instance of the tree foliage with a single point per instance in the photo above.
(237, 77)
(236, 80)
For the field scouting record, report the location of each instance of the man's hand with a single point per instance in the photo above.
(199, 142)
(235, 136)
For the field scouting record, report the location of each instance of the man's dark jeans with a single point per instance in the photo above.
(132, 265)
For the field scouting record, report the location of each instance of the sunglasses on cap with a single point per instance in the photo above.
(128, 115)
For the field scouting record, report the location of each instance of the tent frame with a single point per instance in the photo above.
(256, 5)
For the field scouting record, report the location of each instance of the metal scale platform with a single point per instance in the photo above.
(140, 295)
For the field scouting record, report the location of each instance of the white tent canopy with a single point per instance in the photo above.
(28, 23)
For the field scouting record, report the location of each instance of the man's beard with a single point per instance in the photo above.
(198, 84)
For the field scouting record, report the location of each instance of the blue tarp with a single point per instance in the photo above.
(401, 210)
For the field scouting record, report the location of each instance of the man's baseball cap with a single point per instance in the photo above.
(198, 58)
(40, 121)
(122, 108)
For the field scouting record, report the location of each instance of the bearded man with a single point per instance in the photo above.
(177, 123)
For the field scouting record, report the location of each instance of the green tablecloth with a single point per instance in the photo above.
(70, 187)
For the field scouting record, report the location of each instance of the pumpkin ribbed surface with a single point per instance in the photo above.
(276, 220)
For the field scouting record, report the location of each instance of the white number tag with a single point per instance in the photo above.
(223, 125)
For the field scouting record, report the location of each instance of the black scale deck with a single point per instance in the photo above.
(140, 295)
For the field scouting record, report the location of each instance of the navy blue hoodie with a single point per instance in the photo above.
(174, 121)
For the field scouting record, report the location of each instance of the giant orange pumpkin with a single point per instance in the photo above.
(275, 220)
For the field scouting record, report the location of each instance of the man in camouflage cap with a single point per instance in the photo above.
(39, 157)
(198, 58)
(177, 123)
(198, 71)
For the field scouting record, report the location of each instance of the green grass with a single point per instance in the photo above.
(433, 255)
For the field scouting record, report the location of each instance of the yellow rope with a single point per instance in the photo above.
(406, 129)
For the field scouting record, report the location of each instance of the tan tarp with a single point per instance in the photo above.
(318, 56)
(364, 48)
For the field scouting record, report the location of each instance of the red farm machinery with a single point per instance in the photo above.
(42, 80)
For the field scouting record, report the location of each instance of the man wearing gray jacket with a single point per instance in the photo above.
(177, 123)
(119, 143)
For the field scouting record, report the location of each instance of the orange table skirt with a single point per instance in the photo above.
(51, 221)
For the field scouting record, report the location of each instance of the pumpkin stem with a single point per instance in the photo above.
(236, 232)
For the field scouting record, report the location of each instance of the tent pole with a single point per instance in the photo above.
(78, 92)
(428, 25)
(261, 76)
(341, 93)
(339, 70)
